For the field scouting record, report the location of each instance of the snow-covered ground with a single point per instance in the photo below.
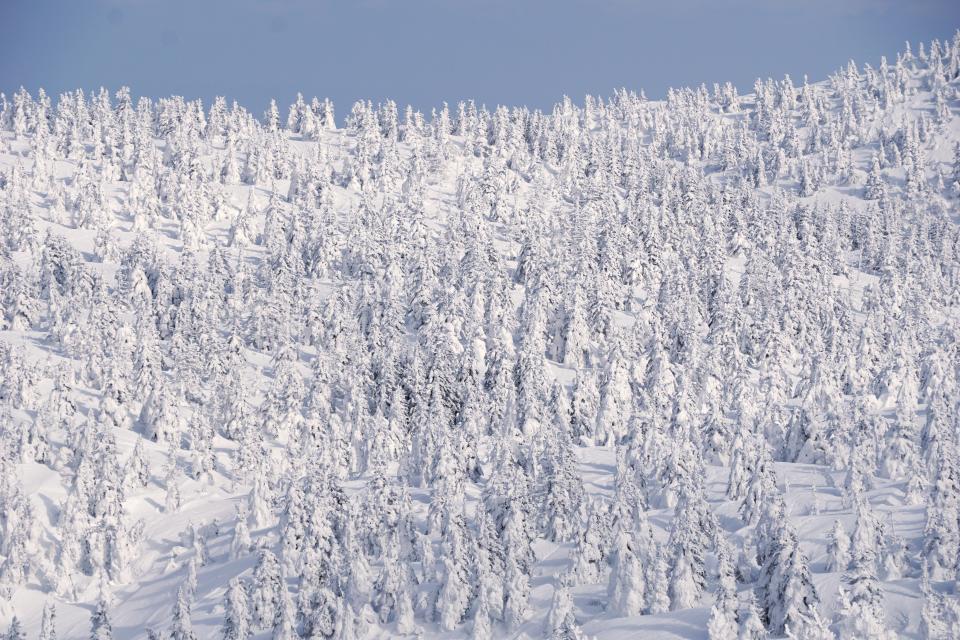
(668, 369)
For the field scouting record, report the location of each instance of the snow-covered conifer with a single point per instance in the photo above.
(236, 616)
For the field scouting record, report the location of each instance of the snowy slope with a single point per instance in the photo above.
(280, 313)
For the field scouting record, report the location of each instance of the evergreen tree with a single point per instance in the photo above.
(266, 590)
(481, 628)
(750, 620)
(240, 544)
(785, 587)
(723, 614)
(561, 621)
(284, 621)
(838, 548)
(101, 628)
(864, 616)
(236, 616)
(182, 628)
(15, 630)
(626, 588)
(48, 626)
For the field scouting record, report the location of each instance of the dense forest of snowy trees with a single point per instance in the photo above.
(685, 367)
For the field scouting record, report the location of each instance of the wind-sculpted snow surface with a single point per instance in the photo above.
(627, 369)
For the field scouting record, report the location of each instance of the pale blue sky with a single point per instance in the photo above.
(422, 52)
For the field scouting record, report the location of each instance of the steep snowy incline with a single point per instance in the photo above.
(663, 369)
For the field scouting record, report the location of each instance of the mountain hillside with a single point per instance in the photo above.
(660, 369)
